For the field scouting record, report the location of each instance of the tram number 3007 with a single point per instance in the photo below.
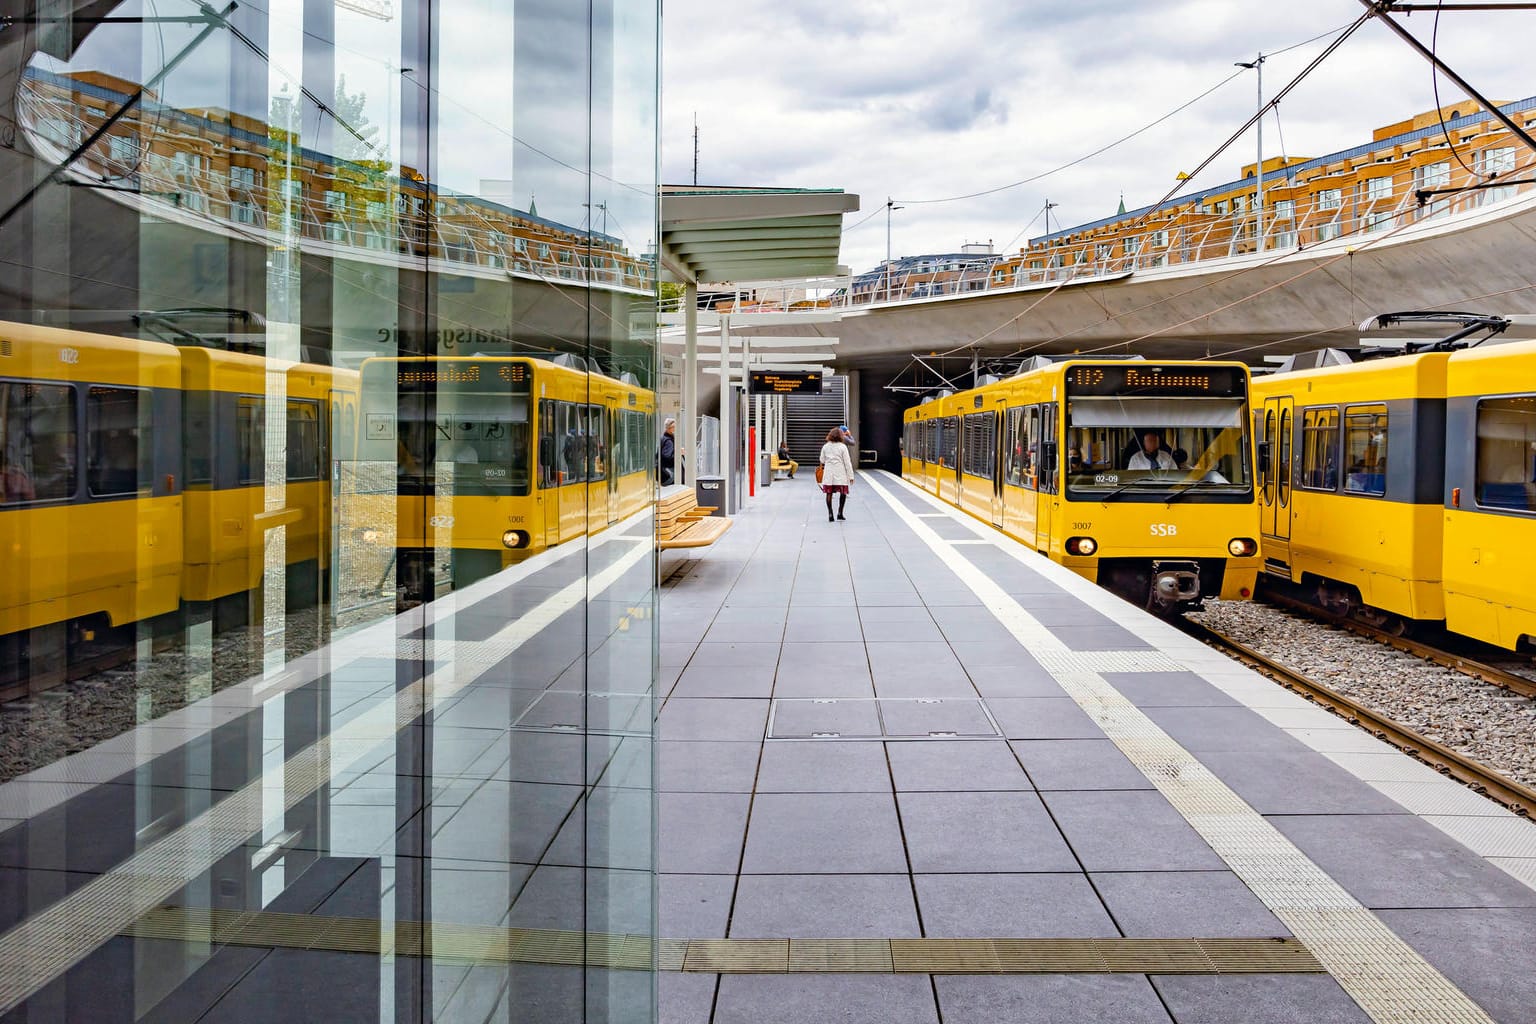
(1165, 529)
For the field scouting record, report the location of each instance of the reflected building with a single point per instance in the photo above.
(327, 429)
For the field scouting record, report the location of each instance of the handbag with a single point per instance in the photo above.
(819, 471)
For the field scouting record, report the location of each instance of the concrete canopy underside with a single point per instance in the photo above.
(713, 235)
(1244, 307)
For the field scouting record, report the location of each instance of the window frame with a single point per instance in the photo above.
(1308, 418)
(1374, 409)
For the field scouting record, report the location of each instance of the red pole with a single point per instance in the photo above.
(751, 462)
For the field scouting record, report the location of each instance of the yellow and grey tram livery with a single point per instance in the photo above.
(1402, 490)
(498, 457)
(1137, 475)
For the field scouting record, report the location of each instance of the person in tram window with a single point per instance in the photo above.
(1151, 455)
(1180, 458)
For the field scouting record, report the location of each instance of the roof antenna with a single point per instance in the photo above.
(695, 147)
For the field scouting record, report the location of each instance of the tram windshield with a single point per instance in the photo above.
(471, 438)
(1120, 448)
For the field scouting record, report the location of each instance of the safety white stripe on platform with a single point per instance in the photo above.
(1383, 974)
(46, 945)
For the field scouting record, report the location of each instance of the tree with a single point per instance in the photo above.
(364, 145)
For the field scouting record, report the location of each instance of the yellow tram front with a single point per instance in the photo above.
(497, 457)
(1157, 482)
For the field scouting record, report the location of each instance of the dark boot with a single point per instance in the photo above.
(842, 503)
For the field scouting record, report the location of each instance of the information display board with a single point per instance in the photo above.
(784, 382)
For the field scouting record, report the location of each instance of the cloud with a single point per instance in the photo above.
(926, 102)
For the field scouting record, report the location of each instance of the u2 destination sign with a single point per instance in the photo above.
(788, 382)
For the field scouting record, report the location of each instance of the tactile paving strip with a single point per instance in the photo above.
(471, 944)
(1385, 976)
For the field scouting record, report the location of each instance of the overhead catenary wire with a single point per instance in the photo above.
(1117, 142)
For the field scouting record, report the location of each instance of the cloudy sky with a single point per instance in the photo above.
(928, 101)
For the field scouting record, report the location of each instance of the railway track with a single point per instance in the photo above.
(1494, 675)
(1516, 796)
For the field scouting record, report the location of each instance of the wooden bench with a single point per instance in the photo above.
(681, 522)
(777, 465)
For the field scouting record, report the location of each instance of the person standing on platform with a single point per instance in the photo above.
(667, 458)
(836, 471)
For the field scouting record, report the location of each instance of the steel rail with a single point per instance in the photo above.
(1516, 796)
(1514, 682)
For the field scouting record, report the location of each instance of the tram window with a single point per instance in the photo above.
(119, 456)
(250, 431)
(548, 453)
(1319, 450)
(596, 435)
(980, 444)
(37, 442)
(1287, 430)
(1032, 447)
(198, 437)
(1365, 449)
(303, 440)
(1506, 453)
(1046, 475)
(949, 440)
(1017, 454)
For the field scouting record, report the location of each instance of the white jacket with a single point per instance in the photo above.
(838, 463)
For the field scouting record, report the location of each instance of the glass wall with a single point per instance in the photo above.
(327, 633)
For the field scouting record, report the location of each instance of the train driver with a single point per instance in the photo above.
(1151, 455)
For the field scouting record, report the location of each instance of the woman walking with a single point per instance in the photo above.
(836, 471)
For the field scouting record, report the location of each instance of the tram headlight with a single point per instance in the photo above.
(1242, 547)
(1081, 546)
(514, 539)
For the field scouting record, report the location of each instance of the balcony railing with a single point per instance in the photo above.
(278, 209)
(1180, 236)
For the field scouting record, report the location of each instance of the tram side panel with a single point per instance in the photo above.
(1351, 493)
(1490, 497)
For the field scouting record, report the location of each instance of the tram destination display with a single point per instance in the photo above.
(796, 382)
(1151, 380)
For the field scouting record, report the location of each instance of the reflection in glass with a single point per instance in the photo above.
(326, 476)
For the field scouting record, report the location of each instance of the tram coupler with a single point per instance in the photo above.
(1173, 584)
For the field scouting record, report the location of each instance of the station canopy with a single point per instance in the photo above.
(713, 235)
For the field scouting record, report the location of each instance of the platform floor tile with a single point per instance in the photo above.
(1258, 999)
(1397, 861)
(940, 766)
(816, 999)
(817, 906)
(981, 832)
(1024, 906)
(1050, 999)
(1096, 825)
(1211, 904)
(823, 766)
(824, 833)
(1078, 764)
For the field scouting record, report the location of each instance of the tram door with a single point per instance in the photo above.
(999, 462)
(612, 444)
(1048, 466)
(1276, 428)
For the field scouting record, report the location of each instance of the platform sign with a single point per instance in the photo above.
(785, 382)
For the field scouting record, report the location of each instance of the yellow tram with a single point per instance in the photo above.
(134, 483)
(1403, 489)
(498, 457)
(1135, 474)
